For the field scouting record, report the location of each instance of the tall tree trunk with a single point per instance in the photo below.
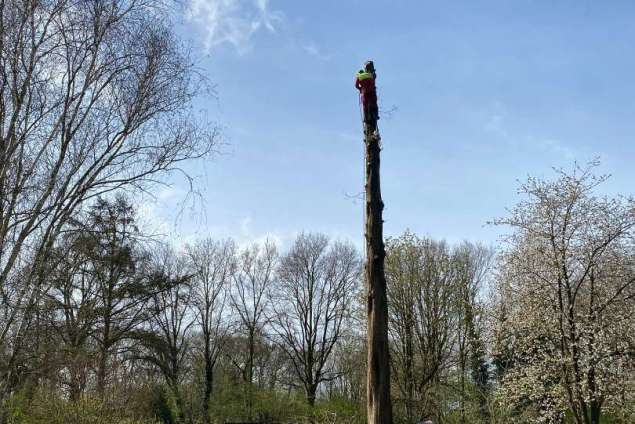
(101, 372)
(178, 400)
(250, 372)
(209, 380)
(311, 395)
(103, 360)
(409, 375)
(76, 378)
(462, 366)
(595, 412)
(378, 404)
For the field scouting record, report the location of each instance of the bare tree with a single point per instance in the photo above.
(312, 303)
(349, 362)
(94, 96)
(73, 302)
(422, 290)
(213, 264)
(402, 275)
(472, 263)
(254, 275)
(436, 307)
(168, 341)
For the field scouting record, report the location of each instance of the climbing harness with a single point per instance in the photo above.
(368, 131)
(369, 115)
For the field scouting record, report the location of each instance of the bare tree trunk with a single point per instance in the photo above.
(250, 373)
(311, 394)
(209, 380)
(103, 362)
(379, 407)
(595, 412)
(409, 376)
(462, 366)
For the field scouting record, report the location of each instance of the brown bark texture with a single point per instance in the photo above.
(379, 407)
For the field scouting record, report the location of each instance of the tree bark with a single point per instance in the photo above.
(250, 372)
(101, 368)
(409, 375)
(311, 394)
(209, 380)
(379, 407)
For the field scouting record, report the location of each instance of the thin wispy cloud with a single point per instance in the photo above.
(494, 124)
(313, 50)
(269, 18)
(233, 22)
(497, 123)
(556, 147)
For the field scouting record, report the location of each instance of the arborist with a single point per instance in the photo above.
(365, 83)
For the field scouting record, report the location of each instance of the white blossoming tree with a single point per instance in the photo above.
(566, 330)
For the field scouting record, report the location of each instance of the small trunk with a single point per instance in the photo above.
(409, 375)
(209, 381)
(75, 385)
(310, 400)
(250, 372)
(462, 388)
(179, 403)
(75, 392)
(310, 397)
(103, 359)
(101, 373)
(596, 412)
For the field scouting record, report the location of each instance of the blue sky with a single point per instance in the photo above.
(485, 93)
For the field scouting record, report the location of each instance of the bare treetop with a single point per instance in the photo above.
(94, 96)
(312, 303)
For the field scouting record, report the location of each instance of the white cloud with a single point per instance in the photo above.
(495, 123)
(167, 193)
(313, 50)
(245, 226)
(151, 220)
(555, 147)
(269, 18)
(233, 22)
(246, 236)
(496, 119)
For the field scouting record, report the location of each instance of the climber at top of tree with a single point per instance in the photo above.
(365, 83)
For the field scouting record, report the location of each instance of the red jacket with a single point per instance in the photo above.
(365, 83)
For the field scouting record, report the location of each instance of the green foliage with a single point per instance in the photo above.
(153, 401)
(46, 408)
(339, 410)
(154, 404)
(231, 403)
